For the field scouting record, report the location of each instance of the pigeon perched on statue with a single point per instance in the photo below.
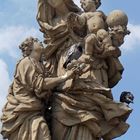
(73, 53)
(127, 97)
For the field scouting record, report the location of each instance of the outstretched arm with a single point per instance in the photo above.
(50, 83)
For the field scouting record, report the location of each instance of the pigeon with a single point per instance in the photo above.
(73, 53)
(126, 97)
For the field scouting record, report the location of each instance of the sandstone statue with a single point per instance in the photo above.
(62, 89)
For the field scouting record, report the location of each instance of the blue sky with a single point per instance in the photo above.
(18, 21)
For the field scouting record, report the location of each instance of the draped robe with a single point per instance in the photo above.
(22, 115)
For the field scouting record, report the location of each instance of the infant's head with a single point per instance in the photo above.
(90, 5)
(95, 23)
(104, 37)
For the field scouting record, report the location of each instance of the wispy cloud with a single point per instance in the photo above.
(133, 40)
(4, 83)
(12, 36)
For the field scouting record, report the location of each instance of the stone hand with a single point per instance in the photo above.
(69, 74)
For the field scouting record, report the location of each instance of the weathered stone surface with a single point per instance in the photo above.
(63, 91)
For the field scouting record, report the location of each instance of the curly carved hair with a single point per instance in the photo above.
(27, 46)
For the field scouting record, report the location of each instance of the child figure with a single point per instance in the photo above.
(98, 41)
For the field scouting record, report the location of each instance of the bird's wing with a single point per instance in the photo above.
(71, 51)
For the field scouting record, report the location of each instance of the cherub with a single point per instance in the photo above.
(98, 41)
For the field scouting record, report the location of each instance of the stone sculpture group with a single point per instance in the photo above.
(62, 88)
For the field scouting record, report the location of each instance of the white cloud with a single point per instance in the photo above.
(4, 76)
(133, 40)
(4, 84)
(11, 37)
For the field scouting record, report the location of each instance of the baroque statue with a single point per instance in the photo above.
(62, 88)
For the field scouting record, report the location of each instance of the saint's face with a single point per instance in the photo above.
(27, 51)
(94, 24)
